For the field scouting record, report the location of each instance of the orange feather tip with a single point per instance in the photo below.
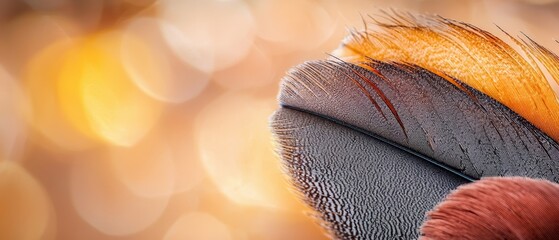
(470, 54)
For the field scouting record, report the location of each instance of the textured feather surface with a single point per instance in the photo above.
(458, 126)
(357, 143)
(342, 174)
(511, 208)
(371, 144)
(470, 54)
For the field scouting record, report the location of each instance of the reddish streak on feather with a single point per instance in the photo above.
(435, 71)
(497, 208)
(514, 91)
(368, 96)
(358, 84)
(383, 97)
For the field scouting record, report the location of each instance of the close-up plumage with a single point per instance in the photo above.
(496, 208)
(279, 119)
(378, 134)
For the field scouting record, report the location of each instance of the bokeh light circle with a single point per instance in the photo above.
(198, 225)
(49, 116)
(99, 95)
(308, 25)
(14, 105)
(107, 204)
(30, 33)
(188, 170)
(26, 210)
(217, 31)
(154, 67)
(236, 150)
(255, 70)
(147, 168)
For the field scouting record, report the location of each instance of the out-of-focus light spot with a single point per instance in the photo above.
(24, 205)
(186, 50)
(94, 86)
(68, 91)
(156, 70)
(46, 4)
(13, 106)
(255, 70)
(48, 116)
(236, 150)
(488, 11)
(189, 172)
(539, 2)
(308, 25)
(141, 3)
(278, 225)
(105, 203)
(147, 168)
(83, 83)
(217, 31)
(29, 34)
(86, 13)
(198, 225)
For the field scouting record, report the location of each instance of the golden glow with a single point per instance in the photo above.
(49, 116)
(99, 96)
(82, 93)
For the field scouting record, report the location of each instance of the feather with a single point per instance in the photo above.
(470, 54)
(359, 187)
(373, 143)
(497, 208)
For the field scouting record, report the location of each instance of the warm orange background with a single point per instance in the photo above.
(144, 119)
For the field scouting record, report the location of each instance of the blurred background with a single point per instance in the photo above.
(147, 119)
